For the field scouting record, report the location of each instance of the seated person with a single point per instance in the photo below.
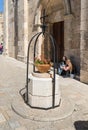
(68, 67)
(1, 48)
(61, 65)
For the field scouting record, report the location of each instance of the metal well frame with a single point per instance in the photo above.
(52, 41)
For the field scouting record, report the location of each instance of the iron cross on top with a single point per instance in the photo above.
(43, 17)
(43, 26)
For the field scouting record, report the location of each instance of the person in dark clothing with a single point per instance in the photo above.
(61, 65)
(1, 48)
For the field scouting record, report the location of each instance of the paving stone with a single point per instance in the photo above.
(21, 128)
(5, 126)
(55, 114)
(13, 124)
(12, 79)
(2, 118)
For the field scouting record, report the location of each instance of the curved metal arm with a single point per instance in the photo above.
(53, 79)
(26, 96)
(35, 48)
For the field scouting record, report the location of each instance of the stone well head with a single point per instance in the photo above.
(42, 92)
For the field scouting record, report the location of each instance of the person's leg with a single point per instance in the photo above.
(0, 50)
(60, 71)
(67, 73)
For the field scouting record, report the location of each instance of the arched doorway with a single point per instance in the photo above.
(56, 12)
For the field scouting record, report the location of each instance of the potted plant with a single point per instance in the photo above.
(42, 64)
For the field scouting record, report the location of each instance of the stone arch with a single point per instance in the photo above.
(56, 11)
(67, 5)
(68, 8)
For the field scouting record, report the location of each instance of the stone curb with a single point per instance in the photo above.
(65, 110)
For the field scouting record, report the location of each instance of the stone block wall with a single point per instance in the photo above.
(10, 29)
(20, 20)
(72, 35)
(71, 30)
(32, 30)
(75, 29)
(84, 41)
(1, 27)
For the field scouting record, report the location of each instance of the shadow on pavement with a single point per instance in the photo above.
(81, 125)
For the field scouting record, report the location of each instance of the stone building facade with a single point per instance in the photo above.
(67, 21)
(1, 28)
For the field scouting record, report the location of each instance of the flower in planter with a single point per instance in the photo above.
(42, 60)
(42, 64)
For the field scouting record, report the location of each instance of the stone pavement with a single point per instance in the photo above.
(12, 79)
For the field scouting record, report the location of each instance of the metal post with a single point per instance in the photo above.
(54, 77)
(27, 80)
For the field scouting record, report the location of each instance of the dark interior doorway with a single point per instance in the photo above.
(58, 34)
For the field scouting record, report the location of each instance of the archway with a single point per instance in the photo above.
(56, 10)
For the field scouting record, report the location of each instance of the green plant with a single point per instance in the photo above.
(42, 60)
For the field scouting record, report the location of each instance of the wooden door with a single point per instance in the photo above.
(58, 34)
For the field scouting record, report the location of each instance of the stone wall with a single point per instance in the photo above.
(32, 30)
(20, 21)
(1, 28)
(84, 41)
(11, 29)
(72, 35)
(28, 16)
(71, 27)
(6, 27)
